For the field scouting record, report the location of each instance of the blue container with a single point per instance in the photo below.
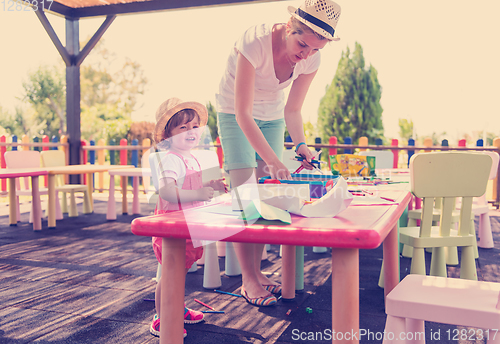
(317, 182)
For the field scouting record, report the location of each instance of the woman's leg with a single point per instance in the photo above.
(259, 248)
(246, 252)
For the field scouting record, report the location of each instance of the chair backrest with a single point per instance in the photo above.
(209, 163)
(291, 165)
(383, 158)
(22, 159)
(448, 175)
(494, 166)
(52, 158)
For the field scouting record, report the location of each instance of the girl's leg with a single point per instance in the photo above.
(158, 297)
(245, 252)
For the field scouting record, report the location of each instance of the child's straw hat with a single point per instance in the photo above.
(321, 16)
(169, 108)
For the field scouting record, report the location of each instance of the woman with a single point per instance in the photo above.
(252, 111)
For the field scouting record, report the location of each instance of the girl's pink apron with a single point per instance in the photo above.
(192, 181)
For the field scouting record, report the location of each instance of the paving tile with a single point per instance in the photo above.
(18, 325)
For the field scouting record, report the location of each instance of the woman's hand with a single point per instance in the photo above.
(307, 154)
(218, 184)
(277, 170)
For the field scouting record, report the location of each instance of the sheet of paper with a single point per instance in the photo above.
(257, 209)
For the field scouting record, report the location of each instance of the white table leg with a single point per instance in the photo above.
(52, 200)
(35, 201)
(12, 202)
(135, 201)
(111, 215)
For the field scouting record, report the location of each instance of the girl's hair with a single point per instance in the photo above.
(182, 117)
(300, 28)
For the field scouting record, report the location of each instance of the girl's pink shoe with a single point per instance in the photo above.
(191, 316)
(154, 329)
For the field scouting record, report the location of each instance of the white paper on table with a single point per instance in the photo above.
(332, 203)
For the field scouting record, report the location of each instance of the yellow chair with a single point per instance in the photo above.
(27, 159)
(446, 175)
(53, 158)
(479, 208)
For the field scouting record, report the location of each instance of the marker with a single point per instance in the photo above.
(388, 199)
(212, 311)
(302, 166)
(312, 161)
(225, 292)
(204, 304)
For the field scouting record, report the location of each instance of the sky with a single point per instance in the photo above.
(438, 62)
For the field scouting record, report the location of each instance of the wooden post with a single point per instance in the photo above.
(363, 141)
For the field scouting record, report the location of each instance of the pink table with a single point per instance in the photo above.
(34, 173)
(358, 227)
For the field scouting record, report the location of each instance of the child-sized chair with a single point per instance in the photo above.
(27, 159)
(53, 158)
(453, 301)
(481, 208)
(445, 175)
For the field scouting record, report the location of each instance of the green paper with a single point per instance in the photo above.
(263, 210)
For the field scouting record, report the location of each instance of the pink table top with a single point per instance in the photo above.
(22, 172)
(362, 226)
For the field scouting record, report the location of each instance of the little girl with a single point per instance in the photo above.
(178, 130)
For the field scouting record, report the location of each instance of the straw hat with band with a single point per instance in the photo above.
(321, 16)
(169, 108)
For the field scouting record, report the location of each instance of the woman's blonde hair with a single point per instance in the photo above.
(300, 28)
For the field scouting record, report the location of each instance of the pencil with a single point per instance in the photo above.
(225, 292)
(212, 311)
(388, 199)
(204, 304)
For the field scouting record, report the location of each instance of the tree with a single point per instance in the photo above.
(45, 91)
(406, 129)
(212, 121)
(12, 124)
(351, 105)
(110, 92)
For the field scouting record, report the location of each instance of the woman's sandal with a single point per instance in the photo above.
(268, 300)
(273, 288)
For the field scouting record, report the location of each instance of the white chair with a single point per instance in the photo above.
(27, 159)
(53, 158)
(453, 301)
(383, 158)
(445, 175)
(480, 208)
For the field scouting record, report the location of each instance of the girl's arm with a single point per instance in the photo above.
(293, 114)
(171, 193)
(217, 184)
(244, 97)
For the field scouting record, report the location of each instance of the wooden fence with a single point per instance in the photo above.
(124, 153)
